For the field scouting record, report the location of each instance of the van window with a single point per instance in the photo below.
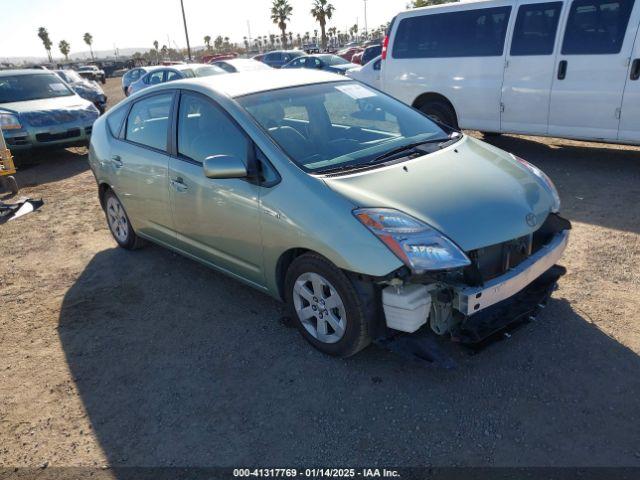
(471, 33)
(148, 121)
(596, 26)
(535, 32)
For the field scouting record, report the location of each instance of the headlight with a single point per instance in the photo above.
(92, 108)
(551, 188)
(9, 121)
(418, 245)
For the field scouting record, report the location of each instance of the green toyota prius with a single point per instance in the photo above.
(368, 219)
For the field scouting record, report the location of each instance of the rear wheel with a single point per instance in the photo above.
(329, 312)
(8, 183)
(441, 112)
(119, 223)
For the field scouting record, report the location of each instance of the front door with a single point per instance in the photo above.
(529, 68)
(591, 69)
(630, 116)
(217, 220)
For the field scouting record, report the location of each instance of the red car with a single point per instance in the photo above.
(357, 58)
(348, 53)
(219, 56)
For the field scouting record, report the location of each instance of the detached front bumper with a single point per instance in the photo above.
(471, 300)
(56, 136)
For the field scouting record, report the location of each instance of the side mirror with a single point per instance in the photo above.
(224, 166)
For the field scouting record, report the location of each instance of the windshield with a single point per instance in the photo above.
(70, 76)
(208, 71)
(333, 60)
(340, 124)
(21, 88)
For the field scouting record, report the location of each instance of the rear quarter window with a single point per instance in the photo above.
(469, 33)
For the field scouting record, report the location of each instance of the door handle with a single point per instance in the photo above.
(179, 185)
(562, 69)
(635, 70)
(117, 161)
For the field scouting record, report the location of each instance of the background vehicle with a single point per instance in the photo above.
(326, 62)
(357, 58)
(370, 53)
(92, 72)
(406, 204)
(369, 73)
(348, 53)
(174, 72)
(132, 76)
(87, 89)
(38, 109)
(565, 68)
(240, 65)
(278, 58)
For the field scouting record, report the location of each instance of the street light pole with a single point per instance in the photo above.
(186, 32)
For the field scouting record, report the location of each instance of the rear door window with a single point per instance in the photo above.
(470, 33)
(155, 77)
(596, 27)
(148, 121)
(535, 30)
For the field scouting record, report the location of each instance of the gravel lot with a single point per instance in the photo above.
(147, 358)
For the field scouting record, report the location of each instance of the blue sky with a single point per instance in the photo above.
(137, 23)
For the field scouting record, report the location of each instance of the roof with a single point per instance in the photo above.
(245, 83)
(25, 71)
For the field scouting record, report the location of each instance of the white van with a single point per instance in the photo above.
(558, 68)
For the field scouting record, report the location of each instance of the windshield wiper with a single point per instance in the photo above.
(413, 147)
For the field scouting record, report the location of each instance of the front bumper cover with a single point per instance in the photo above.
(471, 300)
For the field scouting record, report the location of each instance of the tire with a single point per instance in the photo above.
(119, 224)
(343, 328)
(441, 112)
(8, 183)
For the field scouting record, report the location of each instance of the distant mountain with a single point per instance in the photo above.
(99, 54)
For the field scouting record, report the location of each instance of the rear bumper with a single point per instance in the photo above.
(471, 300)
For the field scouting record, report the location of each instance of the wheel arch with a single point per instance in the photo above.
(282, 265)
(103, 188)
(427, 97)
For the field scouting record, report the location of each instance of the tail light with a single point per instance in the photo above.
(385, 46)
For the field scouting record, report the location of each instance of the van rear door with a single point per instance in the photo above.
(591, 69)
(630, 116)
(529, 68)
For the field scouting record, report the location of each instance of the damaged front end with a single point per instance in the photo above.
(504, 286)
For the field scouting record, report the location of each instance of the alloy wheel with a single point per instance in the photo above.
(117, 219)
(319, 307)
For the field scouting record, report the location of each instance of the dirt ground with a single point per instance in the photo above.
(146, 358)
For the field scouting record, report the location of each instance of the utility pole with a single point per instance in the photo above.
(186, 32)
(366, 30)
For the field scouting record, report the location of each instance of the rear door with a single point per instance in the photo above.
(630, 116)
(455, 51)
(141, 163)
(529, 68)
(591, 69)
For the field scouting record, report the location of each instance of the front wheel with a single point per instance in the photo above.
(330, 314)
(119, 223)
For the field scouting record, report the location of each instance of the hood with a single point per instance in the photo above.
(474, 193)
(345, 66)
(52, 111)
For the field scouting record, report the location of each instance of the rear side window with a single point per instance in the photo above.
(154, 78)
(148, 121)
(596, 26)
(471, 33)
(535, 31)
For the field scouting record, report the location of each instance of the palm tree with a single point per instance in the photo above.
(226, 44)
(65, 48)
(46, 41)
(354, 32)
(280, 15)
(322, 11)
(156, 46)
(207, 42)
(246, 43)
(299, 40)
(88, 39)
